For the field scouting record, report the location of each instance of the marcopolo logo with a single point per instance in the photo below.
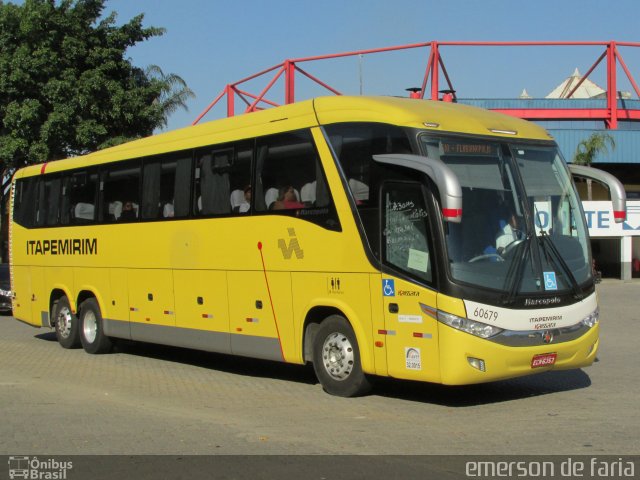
(38, 469)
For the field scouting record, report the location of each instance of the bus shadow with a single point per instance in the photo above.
(541, 384)
(250, 367)
(49, 336)
(545, 383)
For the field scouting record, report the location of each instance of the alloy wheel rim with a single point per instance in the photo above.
(63, 322)
(338, 356)
(90, 326)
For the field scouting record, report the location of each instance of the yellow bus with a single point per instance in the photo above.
(369, 236)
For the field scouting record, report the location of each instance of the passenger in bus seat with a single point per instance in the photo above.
(241, 199)
(287, 199)
(129, 212)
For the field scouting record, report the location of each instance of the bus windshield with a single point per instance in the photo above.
(522, 227)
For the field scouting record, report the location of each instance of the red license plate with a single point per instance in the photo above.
(544, 360)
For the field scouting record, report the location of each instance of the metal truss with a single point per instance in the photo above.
(435, 72)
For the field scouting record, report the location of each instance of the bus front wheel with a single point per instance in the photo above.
(91, 328)
(65, 323)
(336, 359)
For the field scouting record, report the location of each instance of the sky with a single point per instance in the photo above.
(212, 43)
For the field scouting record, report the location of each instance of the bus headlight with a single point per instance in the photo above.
(473, 327)
(591, 319)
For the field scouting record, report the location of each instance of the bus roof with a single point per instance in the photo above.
(423, 114)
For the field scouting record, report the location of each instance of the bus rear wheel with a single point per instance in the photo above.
(92, 334)
(336, 359)
(66, 323)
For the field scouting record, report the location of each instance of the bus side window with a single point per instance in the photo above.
(151, 175)
(166, 186)
(65, 206)
(120, 192)
(211, 180)
(24, 202)
(290, 179)
(82, 196)
(240, 178)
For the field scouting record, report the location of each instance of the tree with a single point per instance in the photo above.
(66, 87)
(596, 144)
(586, 151)
(174, 92)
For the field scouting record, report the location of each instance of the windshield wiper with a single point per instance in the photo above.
(514, 274)
(545, 239)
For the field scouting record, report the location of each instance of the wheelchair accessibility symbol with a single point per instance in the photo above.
(550, 282)
(388, 287)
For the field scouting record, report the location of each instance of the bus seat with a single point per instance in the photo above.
(84, 211)
(115, 209)
(360, 190)
(167, 210)
(236, 199)
(270, 197)
(308, 192)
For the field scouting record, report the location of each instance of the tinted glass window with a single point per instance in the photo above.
(166, 186)
(121, 192)
(24, 202)
(82, 192)
(290, 179)
(211, 180)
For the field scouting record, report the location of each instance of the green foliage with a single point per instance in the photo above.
(66, 87)
(597, 143)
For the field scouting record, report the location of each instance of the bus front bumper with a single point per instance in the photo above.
(467, 359)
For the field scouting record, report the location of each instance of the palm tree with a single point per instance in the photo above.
(174, 92)
(587, 150)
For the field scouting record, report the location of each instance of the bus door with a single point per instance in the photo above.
(409, 307)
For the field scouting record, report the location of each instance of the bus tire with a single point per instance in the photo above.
(336, 359)
(66, 323)
(92, 335)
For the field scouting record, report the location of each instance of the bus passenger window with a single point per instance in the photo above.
(165, 186)
(24, 202)
(83, 187)
(240, 178)
(121, 187)
(48, 202)
(290, 179)
(213, 165)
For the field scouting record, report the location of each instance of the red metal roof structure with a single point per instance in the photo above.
(435, 69)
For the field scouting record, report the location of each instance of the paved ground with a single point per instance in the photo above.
(148, 399)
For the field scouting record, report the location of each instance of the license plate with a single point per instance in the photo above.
(544, 360)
